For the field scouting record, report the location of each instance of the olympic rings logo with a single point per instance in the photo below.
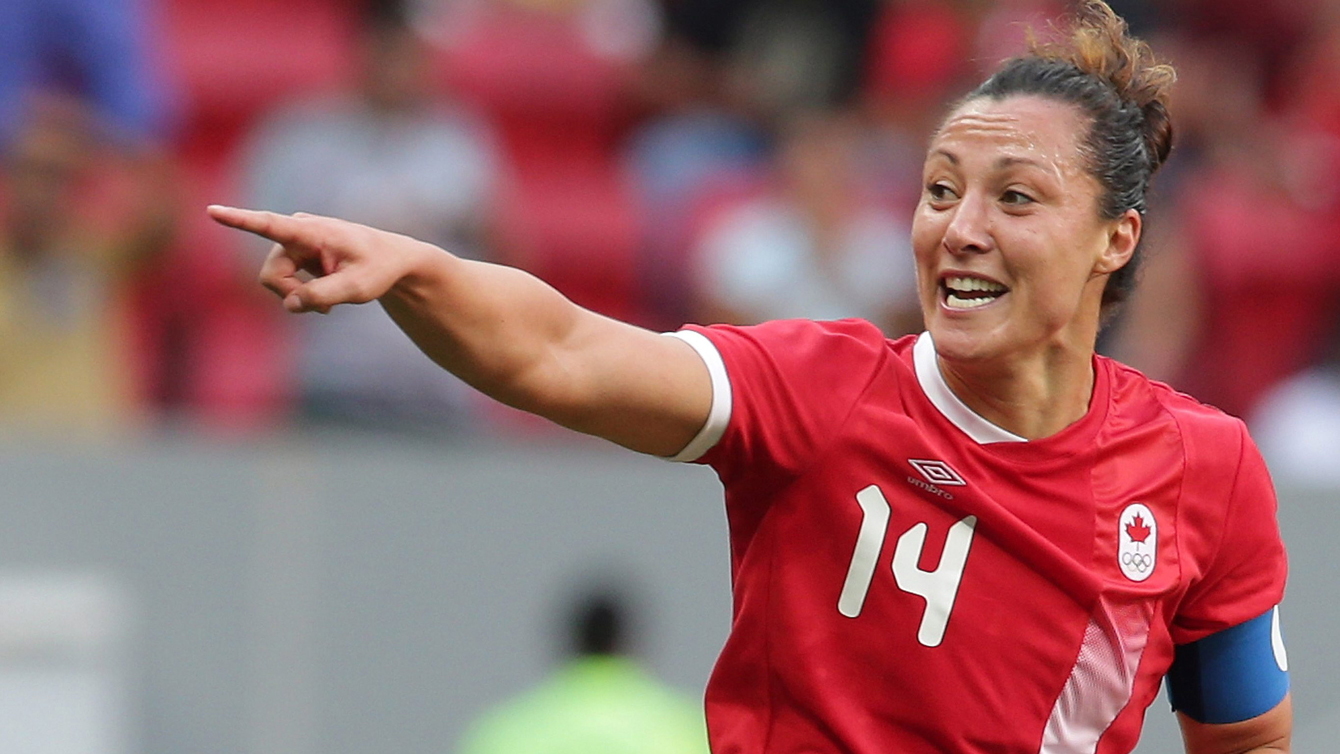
(1139, 561)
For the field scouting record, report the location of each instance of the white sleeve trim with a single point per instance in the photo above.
(718, 417)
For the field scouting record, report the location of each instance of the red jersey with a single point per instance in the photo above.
(910, 578)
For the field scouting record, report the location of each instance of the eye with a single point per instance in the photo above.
(940, 192)
(1016, 198)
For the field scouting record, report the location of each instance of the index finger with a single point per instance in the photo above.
(279, 228)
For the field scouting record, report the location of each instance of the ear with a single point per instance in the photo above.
(1122, 239)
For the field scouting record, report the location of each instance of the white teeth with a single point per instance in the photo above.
(954, 302)
(958, 287)
(973, 284)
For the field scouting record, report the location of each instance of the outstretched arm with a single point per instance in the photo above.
(502, 330)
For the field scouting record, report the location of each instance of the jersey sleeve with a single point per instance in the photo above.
(1232, 675)
(781, 391)
(1246, 572)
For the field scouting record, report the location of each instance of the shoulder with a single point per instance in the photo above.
(786, 387)
(1207, 427)
(847, 347)
(1218, 459)
(856, 335)
(510, 726)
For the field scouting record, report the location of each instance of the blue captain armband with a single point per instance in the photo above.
(1233, 675)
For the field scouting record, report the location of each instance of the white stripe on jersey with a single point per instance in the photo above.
(956, 411)
(1100, 685)
(719, 415)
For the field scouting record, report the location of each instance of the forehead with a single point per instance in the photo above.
(1035, 128)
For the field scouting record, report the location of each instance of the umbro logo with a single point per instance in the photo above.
(937, 472)
(934, 475)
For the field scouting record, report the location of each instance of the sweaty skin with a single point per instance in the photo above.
(1008, 199)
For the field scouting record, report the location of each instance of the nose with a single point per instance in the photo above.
(968, 231)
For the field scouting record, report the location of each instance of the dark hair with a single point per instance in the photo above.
(1116, 81)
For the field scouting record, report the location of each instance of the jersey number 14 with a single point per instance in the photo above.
(938, 587)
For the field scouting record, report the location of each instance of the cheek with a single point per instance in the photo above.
(1058, 271)
(927, 230)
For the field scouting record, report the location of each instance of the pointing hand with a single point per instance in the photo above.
(348, 263)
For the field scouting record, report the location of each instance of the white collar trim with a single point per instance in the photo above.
(956, 411)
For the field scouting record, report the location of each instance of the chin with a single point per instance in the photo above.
(957, 342)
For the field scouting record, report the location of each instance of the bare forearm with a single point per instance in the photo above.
(497, 328)
(500, 329)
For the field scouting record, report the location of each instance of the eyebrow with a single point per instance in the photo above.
(1006, 162)
(1003, 162)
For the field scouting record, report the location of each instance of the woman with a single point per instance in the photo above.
(981, 539)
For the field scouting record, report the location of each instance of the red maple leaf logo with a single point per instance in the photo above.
(1137, 530)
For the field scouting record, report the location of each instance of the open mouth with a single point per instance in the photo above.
(961, 292)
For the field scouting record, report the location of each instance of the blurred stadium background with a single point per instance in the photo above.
(225, 529)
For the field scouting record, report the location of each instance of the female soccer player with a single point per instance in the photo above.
(984, 538)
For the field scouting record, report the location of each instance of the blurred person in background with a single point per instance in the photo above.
(1267, 35)
(1297, 423)
(388, 154)
(1313, 80)
(918, 58)
(699, 141)
(68, 245)
(601, 701)
(106, 54)
(1252, 231)
(796, 55)
(555, 78)
(779, 55)
(819, 244)
(100, 49)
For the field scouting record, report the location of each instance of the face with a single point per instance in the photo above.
(1011, 251)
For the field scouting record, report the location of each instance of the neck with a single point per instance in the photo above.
(1033, 396)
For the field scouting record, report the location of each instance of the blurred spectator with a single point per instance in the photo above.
(919, 55)
(1313, 81)
(1264, 34)
(387, 155)
(698, 142)
(817, 245)
(801, 54)
(1255, 226)
(223, 363)
(600, 702)
(1297, 425)
(106, 54)
(555, 77)
(98, 50)
(66, 252)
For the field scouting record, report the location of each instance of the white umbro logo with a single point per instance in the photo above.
(937, 472)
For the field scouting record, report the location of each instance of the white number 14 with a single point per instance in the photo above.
(938, 587)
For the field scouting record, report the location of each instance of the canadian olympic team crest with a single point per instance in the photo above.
(1139, 536)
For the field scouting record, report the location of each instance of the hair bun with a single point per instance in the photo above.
(1098, 43)
(1158, 131)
